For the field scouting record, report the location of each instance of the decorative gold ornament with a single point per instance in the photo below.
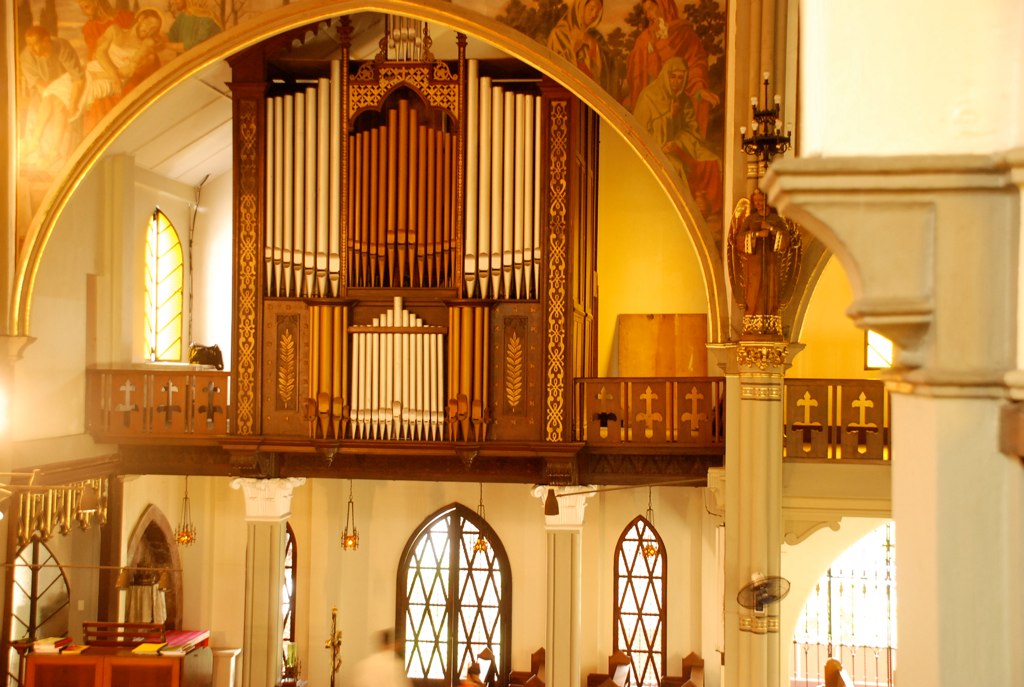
(248, 231)
(514, 370)
(761, 356)
(769, 325)
(559, 137)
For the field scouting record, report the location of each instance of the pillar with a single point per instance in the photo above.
(931, 247)
(564, 583)
(753, 509)
(267, 507)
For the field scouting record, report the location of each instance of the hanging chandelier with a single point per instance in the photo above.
(649, 547)
(766, 139)
(185, 535)
(350, 537)
(480, 545)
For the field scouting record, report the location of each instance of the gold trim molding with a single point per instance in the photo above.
(760, 624)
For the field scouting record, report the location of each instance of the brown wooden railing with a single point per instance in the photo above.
(650, 410)
(825, 419)
(837, 419)
(150, 402)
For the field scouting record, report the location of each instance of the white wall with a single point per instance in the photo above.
(362, 584)
(910, 77)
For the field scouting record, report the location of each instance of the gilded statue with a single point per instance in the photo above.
(764, 261)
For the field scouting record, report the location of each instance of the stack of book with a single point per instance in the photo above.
(180, 642)
(50, 645)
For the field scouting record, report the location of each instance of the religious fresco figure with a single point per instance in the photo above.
(100, 16)
(665, 110)
(764, 262)
(124, 58)
(668, 35)
(194, 22)
(576, 38)
(50, 82)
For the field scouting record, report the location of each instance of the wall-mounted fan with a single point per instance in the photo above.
(761, 591)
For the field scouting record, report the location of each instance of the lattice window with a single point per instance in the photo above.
(454, 598)
(640, 564)
(288, 589)
(851, 615)
(40, 602)
(164, 290)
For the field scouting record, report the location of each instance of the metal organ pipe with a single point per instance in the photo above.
(398, 379)
(503, 167)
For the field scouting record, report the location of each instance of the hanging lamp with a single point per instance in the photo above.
(649, 547)
(480, 545)
(350, 537)
(185, 535)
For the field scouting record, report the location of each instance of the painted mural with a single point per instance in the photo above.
(663, 60)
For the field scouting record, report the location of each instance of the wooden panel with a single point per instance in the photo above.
(667, 345)
(516, 366)
(808, 418)
(285, 382)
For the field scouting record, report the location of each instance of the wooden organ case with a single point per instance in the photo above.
(415, 250)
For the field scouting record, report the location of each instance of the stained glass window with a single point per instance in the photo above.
(164, 289)
(640, 602)
(454, 598)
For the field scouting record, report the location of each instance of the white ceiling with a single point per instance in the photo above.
(185, 135)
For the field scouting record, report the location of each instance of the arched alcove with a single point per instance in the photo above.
(151, 548)
(273, 22)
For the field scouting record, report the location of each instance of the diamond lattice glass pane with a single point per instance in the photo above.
(427, 610)
(640, 603)
(164, 274)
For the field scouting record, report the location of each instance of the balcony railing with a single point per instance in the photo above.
(837, 419)
(171, 402)
(825, 419)
(685, 411)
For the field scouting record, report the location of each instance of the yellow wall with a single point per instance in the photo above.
(834, 346)
(646, 262)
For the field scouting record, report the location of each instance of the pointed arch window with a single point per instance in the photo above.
(164, 290)
(41, 600)
(288, 589)
(454, 598)
(640, 564)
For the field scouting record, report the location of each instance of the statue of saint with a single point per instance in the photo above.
(764, 259)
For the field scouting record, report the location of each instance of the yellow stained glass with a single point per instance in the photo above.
(164, 290)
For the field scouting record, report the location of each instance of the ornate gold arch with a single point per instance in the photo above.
(273, 22)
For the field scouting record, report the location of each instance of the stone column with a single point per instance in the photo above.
(564, 576)
(931, 248)
(753, 509)
(267, 507)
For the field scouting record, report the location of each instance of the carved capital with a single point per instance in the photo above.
(763, 356)
(267, 500)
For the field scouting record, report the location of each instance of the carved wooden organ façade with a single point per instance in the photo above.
(414, 246)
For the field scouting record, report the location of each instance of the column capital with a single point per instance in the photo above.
(267, 500)
(572, 502)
